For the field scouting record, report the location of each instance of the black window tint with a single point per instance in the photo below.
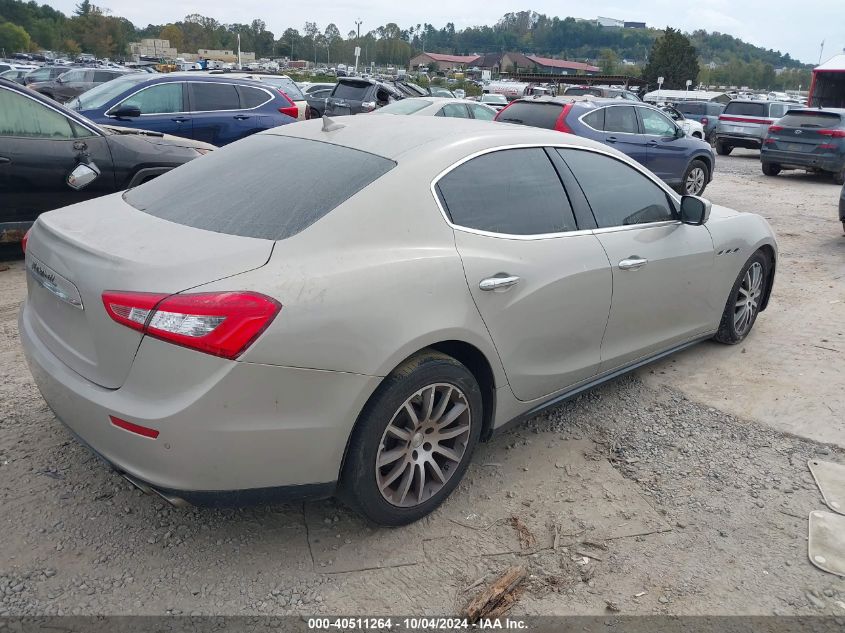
(515, 192)
(351, 90)
(535, 114)
(746, 108)
(252, 97)
(621, 119)
(595, 119)
(811, 119)
(617, 193)
(213, 96)
(282, 201)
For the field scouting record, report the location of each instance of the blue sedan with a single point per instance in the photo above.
(639, 130)
(213, 109)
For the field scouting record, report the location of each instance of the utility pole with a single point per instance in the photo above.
(358, 23)
(821, 53)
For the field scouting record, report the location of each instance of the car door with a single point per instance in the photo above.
(39, 148)
(541, 285)
(73, 84)
(215, 108)
(662, 269)
(163, 109)
(666, 149)
(622, 131)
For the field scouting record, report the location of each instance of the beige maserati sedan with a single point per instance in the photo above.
(248, 328)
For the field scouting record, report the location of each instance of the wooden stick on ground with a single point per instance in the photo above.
(498, 597)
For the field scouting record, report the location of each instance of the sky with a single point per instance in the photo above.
(797, 27)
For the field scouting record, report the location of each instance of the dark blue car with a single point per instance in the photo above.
(216, 110)
(639, 130)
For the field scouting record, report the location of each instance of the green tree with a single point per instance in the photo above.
(83, 8)
(13, 38)
(674, 58)
(608, 61)
(174, 34)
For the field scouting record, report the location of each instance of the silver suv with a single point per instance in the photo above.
(745, 123)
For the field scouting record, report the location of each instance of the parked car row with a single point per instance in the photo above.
(52, 157)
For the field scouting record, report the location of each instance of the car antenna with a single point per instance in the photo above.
(330, 125)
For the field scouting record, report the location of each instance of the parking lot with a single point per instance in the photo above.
(681, 489)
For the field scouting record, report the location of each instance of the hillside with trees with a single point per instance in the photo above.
(723, 58)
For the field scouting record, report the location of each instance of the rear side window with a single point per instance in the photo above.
(512, 192)
(290, 89)
(618, 194)
(253, 97)
(213, 96)
(536, 114)
(811, 120)
(454, 110)
(351, 90)
(405, 106)
(101, 76)
(622, 119)
(747, 109)
(595, 119)
(777, 110)
(281, 201)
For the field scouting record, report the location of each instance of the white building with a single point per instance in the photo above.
(610, 22)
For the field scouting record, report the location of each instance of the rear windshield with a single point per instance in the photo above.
(692, 108)
(535, 114)
(228, 191)
(286, 85)
(811, 120)
(748, 109)
(583, 91)
(351, 90)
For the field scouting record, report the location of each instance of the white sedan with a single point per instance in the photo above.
(454, 108)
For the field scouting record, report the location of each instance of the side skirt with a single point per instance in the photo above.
(615, 373)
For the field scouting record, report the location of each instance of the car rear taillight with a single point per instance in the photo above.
(769, 141)
(143, 431)
(775, 128)
(560, 124)
(219, 323)
(25, 239)
(827, 146)
(291, 110)
(832, 133)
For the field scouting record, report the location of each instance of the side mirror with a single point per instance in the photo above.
(126, 112)
(695, 210)
(82, 176)
(679, 133)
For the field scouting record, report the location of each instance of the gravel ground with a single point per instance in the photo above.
(665, 496)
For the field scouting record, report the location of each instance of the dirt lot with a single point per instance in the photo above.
(680, 489)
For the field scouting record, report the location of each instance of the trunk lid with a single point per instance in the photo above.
(76, 253)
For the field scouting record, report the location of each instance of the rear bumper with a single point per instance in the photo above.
(747, 141)
(229, 432)
(828, 162)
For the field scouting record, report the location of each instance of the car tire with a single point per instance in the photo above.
(722, 149)
(744, 301)
(695, 178)
(387, 474)
(698, 136)
(839, 177)
(771, 169)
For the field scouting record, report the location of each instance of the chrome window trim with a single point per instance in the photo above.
(545, 236)
(184, 81)
(87, 126)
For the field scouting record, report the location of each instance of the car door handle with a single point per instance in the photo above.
(634, 262)
(611, 139)
(180, 119)
(652, 142)
(498, 283)
(241, 117)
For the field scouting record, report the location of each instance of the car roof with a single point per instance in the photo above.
(806, 110)
(395, 136)
(761, 101)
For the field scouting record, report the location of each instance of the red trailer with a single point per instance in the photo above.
(827, 89)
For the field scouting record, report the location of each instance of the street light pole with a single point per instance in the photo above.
(358, 24)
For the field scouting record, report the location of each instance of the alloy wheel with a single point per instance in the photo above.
(423, 445)
(695, 181)
(748, 298)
